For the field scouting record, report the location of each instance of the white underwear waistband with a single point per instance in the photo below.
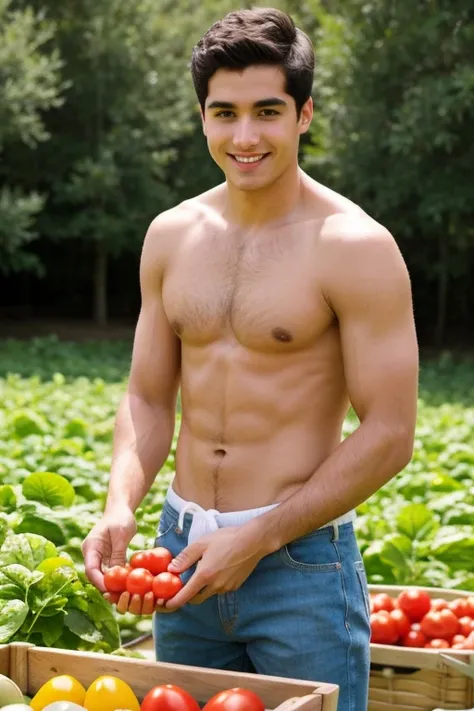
(205, 521)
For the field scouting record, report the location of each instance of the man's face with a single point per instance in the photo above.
(251, 125)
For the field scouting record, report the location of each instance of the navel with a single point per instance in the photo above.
(220, 453)
(282, 335)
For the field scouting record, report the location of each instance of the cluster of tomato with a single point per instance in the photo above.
(173, 698)
(146, 572)
(415, 619)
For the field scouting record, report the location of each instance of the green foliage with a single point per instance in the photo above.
(395, 97)
(29, 75)
(29, 85)
(128, 103)
(17, 217)
(55, 607)
(100, 130)
(54, 465)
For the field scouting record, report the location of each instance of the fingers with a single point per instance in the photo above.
(135, 604)
(202, 596)
(93, 565)
(188, 556)
(161, 609)
(113, 598)
(148, 604)
(118, 557)
(193, 587)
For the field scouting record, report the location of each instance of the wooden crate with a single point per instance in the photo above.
(30, 667)
(407, 679)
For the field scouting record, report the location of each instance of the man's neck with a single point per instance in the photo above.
(254, 208)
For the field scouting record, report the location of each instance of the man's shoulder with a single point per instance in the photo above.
(360, 258)
(354, 230)
(343, 223)
(188, 213)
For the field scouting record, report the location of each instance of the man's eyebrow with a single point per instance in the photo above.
(272, 101)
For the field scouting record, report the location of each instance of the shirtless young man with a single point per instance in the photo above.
(273, 303)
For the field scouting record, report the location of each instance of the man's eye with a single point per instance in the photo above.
(270, 112)
(224, 114)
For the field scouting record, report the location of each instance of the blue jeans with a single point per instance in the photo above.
(303, 613)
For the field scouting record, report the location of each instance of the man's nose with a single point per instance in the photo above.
(246, 135)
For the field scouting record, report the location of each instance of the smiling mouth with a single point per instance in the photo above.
(248, 160)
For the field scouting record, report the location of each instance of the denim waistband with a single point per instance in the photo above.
(205, 521)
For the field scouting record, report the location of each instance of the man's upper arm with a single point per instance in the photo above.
(155, 367)
(368, 288)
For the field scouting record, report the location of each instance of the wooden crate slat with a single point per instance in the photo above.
(302, 703)
(422, 681)
(428, 695)
(142, 675)
(5, 659)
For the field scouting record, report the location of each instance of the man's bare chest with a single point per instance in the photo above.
(264, 292)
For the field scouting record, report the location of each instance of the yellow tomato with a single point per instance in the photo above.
(59, 688)
(107, 693)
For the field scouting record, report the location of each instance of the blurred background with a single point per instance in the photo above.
(99, 132)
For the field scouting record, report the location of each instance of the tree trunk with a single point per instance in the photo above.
(100, 285)
(443, 276)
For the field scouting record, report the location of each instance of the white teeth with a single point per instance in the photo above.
(253, 159)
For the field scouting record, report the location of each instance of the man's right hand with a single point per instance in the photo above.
(106, 544)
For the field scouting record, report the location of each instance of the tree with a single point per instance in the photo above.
(29, 86)
(396, 102)
(111, 142)
(116, 155)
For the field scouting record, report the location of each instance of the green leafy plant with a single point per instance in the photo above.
(55, 456)
(50, 605)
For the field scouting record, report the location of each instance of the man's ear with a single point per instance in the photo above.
(306, 115)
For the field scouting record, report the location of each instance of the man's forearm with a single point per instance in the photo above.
(358, 467)
(142, 441)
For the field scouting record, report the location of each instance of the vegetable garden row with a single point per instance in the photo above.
(57, 407)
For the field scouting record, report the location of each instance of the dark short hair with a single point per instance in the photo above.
(264, 36)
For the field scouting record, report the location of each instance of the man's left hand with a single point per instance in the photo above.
(225, 558)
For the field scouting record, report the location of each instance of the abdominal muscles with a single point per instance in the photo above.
(256, 425)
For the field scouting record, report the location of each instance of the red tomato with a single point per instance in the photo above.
(384, 629)
(139, 581)
(115, 579)
(402, 622)
(443, 624)
(414, 603)
(437, 644)
(466, 626)
(235, 700)
(470, 602)
(439, 603)
(469, 642)
(458, 639)
(459, 606)
(169, 697)
(382, 601)
(415, 638)
(155, 560)
(166, 585)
